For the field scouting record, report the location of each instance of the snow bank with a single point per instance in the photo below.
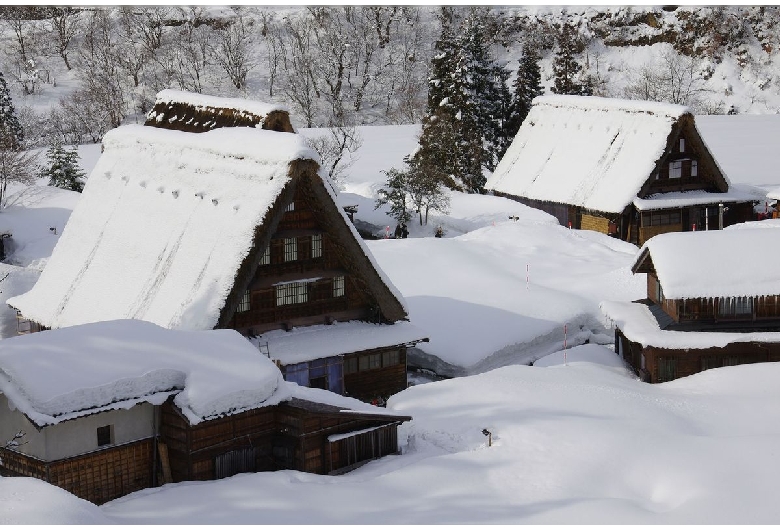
(579, 443)
(181, 207)
(591, 152)
(60, 374)
(31, 501)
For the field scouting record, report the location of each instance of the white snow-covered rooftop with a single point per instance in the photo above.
(258, 108)
(587, 151)
(317, 342)
(58, 375)
(639, 325)
(716, 263)
(164, 222)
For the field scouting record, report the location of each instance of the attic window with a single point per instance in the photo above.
(105, 435)
(290, 249)
(245, 303)
(316, 246)
(338, 286)
(682, 145)
(675, 169)
(290, 207)
(265, 259)
(694, 168)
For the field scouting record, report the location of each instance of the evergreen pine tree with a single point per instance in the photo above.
(11, 135)
(527, 85)
(466, 105)
(566, 69)
(63, 169)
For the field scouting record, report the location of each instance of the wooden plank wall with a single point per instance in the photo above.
(378, 382)
(98, 477)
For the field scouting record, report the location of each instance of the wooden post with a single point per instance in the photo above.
(166, 464)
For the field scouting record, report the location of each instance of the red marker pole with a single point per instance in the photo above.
(527, 273)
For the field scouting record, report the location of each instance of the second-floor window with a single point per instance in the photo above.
(675, 169)
(292, 293)
(245, 303)
(265, 259)
(316, 246)
(290, 249)
(338, 286)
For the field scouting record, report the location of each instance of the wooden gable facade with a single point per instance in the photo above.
(741, 314)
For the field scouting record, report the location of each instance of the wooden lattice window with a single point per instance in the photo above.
(667, 369)
(290, 207)
(370, 361)
(265, 259)
(316, 246)
(290, 249)
(735, 306)
(350, 365)
(391, 358)
(675, 169)
(338, 286)
(292, 293)
(682, 145)
(245, 303)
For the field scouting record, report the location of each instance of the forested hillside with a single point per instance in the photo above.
(76, 72)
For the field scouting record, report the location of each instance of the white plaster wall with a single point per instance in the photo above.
(13, 421)
(78, 436)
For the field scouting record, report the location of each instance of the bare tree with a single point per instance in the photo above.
(674, 78)
(63, 25)
(334, 146)
(16, 165)
(233, 49)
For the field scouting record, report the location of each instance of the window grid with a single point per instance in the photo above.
(316, 246)
(290, 207)
(338, 286)
(735, 306)
(290, 249)
(245, 303)
(292, 293)
(675, 169)
(265, 259)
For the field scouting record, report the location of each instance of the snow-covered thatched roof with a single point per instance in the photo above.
(165, 221)
(187, 111)
(591, 152)
(718, 263)
(62, 374)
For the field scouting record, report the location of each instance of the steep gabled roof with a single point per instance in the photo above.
(596, 153)
(164, 222)
(718, 263)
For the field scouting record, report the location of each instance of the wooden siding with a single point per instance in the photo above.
(193, 449)
(646, 232)
(380, 382)
(692, 361)
(98, 477)
(596, 223)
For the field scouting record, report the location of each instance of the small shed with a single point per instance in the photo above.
(712, 300)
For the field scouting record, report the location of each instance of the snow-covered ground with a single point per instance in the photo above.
(574, 441)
